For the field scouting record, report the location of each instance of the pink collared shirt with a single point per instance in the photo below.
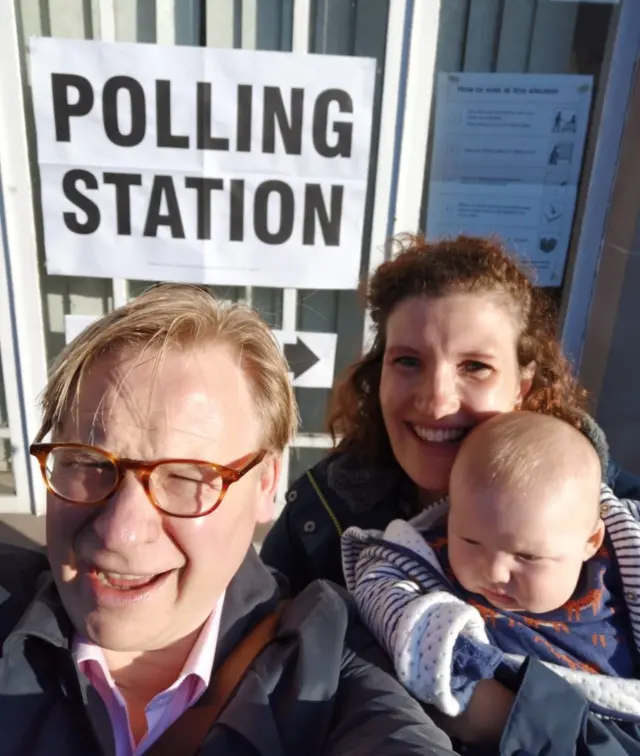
(167, 706)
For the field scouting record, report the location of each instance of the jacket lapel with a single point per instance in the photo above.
(251, 595)
(45, 622)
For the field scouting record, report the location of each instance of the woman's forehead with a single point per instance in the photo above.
(476, 320)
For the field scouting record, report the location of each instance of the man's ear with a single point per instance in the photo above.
(270, 469)
(595, 540)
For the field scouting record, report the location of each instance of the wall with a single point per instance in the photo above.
(611, 361)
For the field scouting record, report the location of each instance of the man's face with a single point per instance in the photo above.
(194, 404)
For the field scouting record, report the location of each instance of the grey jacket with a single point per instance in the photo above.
(318, 689)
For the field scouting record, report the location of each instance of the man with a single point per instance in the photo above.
(168, 418)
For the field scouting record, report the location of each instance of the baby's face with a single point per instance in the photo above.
(522, 553)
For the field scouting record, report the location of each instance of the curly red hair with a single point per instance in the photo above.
(461, 265)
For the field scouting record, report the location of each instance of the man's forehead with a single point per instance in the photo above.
(187, 397)
(160, 380)
(101, 424)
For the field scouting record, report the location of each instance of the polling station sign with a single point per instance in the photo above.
(202, 165)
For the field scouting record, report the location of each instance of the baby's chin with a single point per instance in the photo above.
(512, 605)
(502, 601)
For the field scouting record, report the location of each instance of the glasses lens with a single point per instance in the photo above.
(185, 489)
(81, 475)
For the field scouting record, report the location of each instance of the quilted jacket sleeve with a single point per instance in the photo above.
(437, 642)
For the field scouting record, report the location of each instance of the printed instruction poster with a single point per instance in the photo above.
(507, 157)
(202, 165)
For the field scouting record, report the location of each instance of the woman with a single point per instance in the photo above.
(460, 334)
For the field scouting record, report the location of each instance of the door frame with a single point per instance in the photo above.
(21, 317)
(20, 501)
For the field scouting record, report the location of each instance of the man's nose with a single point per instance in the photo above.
(128, 518)
(438, 396)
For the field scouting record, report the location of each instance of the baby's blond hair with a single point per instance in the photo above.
(522, 450)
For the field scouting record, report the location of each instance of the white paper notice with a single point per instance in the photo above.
(202, 165)
(507, 157)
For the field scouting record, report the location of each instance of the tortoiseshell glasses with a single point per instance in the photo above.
(83, 474)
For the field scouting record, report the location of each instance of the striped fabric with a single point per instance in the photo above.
(405, 599)
(622, 520)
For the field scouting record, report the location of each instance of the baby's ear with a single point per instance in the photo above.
(595, 540)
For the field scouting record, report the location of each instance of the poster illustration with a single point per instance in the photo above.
(507, 159)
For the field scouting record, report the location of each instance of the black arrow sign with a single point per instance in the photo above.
(299, 357)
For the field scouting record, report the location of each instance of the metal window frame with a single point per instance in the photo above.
(24, 340)
(299, 44)
(416, 118)
(393, 102)
(19, 502)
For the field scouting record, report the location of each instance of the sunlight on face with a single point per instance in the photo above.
(522, 552)
(449, 363)
(193, 404)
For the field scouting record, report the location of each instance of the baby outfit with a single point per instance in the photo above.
(443, 640)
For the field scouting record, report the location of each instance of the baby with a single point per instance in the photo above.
(528, 558)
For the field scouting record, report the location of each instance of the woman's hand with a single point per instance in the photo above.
(485, 717)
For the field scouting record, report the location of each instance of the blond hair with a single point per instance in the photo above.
(170, 316)
(520, 450)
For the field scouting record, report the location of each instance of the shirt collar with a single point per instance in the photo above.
(198, 663)
(252, 593)
(200, 659)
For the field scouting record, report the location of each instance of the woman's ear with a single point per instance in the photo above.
(595, 540)
(526, 381)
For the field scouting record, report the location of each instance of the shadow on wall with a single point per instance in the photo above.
(618, 407)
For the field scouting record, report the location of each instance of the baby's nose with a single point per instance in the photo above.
(498, 571)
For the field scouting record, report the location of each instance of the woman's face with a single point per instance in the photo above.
(450, 362)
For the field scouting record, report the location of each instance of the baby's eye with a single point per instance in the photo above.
(528, 558)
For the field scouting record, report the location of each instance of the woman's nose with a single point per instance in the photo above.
(438, 394)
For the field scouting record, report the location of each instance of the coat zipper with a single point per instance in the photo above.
(325, 504)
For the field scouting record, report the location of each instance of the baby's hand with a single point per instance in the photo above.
(485, 717)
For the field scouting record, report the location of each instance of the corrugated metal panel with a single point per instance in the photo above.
(348, 27)
(264, 24)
